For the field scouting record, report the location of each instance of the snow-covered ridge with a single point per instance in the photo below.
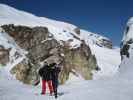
(12, 14)
(91, 38)
(60, 30)
(130, 21)
(128, 33)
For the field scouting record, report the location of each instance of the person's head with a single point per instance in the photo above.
(45, 63)
(52, 64)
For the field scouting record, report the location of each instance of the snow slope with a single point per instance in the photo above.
(60, 30)
(128, 34)
(126, 68)
(107, 59)
(109, 89)
(65, 31)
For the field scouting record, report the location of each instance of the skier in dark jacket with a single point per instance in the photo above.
(54, 73)
(45, 73)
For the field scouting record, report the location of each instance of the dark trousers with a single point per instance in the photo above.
(55, 86)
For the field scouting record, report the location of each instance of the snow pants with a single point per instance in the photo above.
(49, 86)
(55, 86)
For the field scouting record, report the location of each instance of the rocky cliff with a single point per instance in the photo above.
(41, 46)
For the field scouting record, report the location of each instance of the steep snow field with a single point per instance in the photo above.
(60, 30)
(107, 59)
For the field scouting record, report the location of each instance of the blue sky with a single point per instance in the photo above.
(105, 17)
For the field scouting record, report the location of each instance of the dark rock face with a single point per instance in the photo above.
(125, 45)
(41, 46)
(77, 30)
(34, 40)
(105, 43)
(124, 51)
(125, 48)
(4, 55)
(26, 37)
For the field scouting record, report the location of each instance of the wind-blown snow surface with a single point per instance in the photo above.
(113, 89)
(107, 59)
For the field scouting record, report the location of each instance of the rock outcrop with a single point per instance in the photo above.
(105, 43)
(126, 68)
(42, 46)
(127, 40)
(4, 55)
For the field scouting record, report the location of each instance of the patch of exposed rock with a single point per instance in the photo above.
(105, 42)
(4, 55)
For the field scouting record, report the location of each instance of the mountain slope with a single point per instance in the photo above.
(61, 30)
(66, 32)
